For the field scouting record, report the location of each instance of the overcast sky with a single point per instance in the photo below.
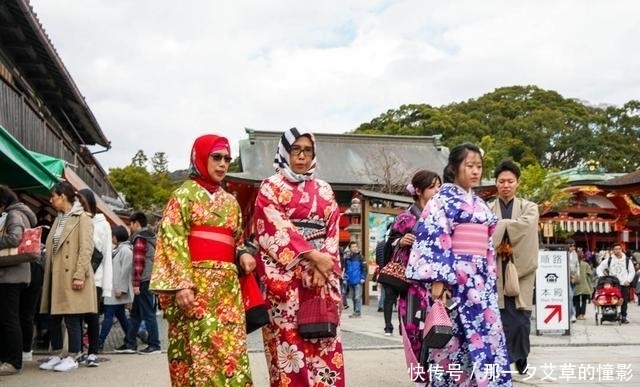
(159, 73)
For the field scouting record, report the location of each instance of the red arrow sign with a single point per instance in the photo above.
(555, 310)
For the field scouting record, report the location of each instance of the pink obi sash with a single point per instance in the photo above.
(209, 243)
(470, 239)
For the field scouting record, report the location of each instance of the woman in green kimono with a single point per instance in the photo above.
(196, 277)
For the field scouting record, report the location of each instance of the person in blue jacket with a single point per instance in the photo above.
(355, 273)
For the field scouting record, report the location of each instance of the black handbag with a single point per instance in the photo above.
(96, 259)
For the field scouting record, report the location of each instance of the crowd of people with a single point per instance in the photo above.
(455, 247)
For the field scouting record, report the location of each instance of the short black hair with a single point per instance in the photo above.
(120, 232)
(65, 188)
(139, 217)
(7, 196)
(506, 165)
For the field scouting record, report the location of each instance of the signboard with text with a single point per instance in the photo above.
(552, 292)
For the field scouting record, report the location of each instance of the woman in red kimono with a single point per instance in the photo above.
(296, 224)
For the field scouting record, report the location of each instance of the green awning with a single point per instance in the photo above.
(22, 169)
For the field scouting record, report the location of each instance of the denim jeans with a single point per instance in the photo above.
(356, 294)
(73, 322)
(107, 322)
(381, 297)
(143, 309)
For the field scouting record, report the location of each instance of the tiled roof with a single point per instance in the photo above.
(348, 159)
(624, 180)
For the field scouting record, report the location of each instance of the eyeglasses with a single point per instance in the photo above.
(217, 157)
(296, 150)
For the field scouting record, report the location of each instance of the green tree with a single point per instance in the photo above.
(159, 163)
(140, 159)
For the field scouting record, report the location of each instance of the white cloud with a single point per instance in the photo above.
(157, 74)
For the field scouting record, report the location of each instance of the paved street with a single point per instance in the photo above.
(607, 355)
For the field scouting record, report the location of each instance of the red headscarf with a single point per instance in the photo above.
(203, 146)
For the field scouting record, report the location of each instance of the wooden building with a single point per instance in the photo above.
(43, 116)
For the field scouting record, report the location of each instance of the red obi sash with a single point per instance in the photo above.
(209, 243)
(470, 239)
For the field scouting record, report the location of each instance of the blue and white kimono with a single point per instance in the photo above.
(453, 245)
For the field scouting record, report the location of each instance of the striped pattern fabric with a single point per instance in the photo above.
(58, 232)
(282, 161)
(470, 239)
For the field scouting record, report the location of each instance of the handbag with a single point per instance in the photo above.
(511, 283)
(318, 316)
(438, 327)
(27, 251)
(255, 308)
(96, 259)
(392, 275)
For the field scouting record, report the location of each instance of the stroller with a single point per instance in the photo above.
(607, 299)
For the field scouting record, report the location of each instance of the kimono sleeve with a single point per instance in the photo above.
(172, 262)
(431, 258)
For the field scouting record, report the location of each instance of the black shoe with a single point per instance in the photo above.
(150, 350)
(624, 321)
(521, 366)
(124, 348)
(345, 307)
(380, 310)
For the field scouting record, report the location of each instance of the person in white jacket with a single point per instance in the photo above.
(621, 267)
(122, 284)
(103, 275)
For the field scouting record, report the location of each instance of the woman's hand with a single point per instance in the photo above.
(407, 240)
(323, 262)
(247, 263)
(319, 279)
(439, 292)
(77, 284)
(184, 298)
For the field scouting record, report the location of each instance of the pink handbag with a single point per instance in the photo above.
(27, 251)
(438, 326)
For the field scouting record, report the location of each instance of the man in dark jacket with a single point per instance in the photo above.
(144, 306)
(355, 273)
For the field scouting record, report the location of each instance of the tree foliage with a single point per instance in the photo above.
(142, 189)
(536, 128)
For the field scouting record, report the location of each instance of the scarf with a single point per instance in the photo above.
(282, 160)
(203, 146)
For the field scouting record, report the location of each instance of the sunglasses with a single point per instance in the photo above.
(217, 157)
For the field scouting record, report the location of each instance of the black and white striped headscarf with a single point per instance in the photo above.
(282, 161)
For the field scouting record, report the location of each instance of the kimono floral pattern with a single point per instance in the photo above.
(477, 353)
(207, 345)
(403, 224)
(292, 360)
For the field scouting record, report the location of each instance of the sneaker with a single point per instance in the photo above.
(354, 315)
(624, 321)
(50, 363)
(143, 336)
(81, 358)
(380, 310)
(388, 334)
(124, 348)
(8, 369)
(67, 364)
(92, 361)
(27, 356)
(150, 350)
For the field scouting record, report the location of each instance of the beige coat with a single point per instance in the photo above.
(523, 234)
(71, 261)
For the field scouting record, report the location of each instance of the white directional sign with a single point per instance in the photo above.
(552, 291)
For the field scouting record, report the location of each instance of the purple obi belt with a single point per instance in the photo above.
(470, 239)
